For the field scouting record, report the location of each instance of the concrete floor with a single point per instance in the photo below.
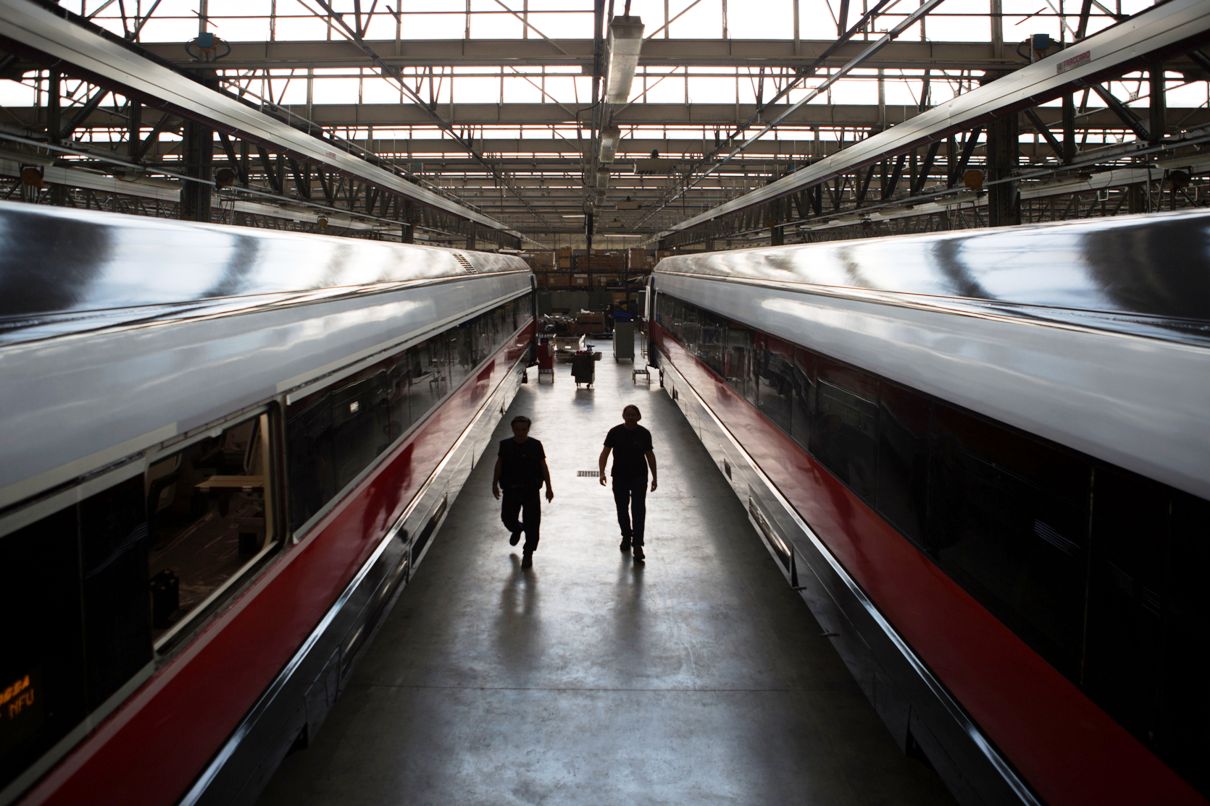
(699, 677)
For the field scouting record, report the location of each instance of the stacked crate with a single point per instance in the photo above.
(543, 266)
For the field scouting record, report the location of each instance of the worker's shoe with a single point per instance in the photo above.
(638, 553)
(514, 538)
(625, 544)
(527, 559)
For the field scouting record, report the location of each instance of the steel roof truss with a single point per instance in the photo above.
(1122, 111)
(926, 167)
(302, 177)
(1047, 135)
(892, 181)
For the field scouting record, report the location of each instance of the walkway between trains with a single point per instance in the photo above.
(698, 677)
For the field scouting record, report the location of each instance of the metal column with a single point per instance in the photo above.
(1003, 153)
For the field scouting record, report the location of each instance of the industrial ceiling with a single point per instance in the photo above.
(540, 123)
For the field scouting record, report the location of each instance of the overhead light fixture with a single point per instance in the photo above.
(625, 42)
(603, 179)
(609, 142)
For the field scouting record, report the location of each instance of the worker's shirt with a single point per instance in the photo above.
(630, 447)
(521, 464)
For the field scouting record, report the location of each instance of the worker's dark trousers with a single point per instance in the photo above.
(630, 496)
(528, 503)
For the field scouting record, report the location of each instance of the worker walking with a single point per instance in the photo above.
(632, 455)
(520, 472)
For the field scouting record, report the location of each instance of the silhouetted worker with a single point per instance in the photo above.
(632, 455)
(520, 471)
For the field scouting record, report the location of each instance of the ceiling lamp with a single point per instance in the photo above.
(609, 142)
(625, 42)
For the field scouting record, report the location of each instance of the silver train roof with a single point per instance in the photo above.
(1148, 275)
(66, 271)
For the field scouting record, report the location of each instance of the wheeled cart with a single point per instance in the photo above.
(583, 367)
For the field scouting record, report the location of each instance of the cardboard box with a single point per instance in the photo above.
(541, 261)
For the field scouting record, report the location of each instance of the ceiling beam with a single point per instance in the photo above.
(706, 116)
(579, 53)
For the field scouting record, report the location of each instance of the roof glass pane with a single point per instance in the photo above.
(433, 26)
(775, 21)
(562, 25)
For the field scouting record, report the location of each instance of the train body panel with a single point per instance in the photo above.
(172, 727)
(235, 467)
(962, 644)
(80, 402)
(1009, 372)
(817, 374)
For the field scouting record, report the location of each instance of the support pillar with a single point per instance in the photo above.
(1003, 155)
(408, 215)
(777, 211)
(1159, 108)
(198, 152)
(199, 162)
(1069, 128)
(1136, 199)
(134, 132)
(54, 125)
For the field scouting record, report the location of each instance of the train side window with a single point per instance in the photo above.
(309, 451)
(804, 396)
(774, 375)
(462, 353)
(429, 381)
(43, 683)
(209, 521)
(737, 361)
(844, 433)
(712, 345)
(117, 620)
(1008, 520)
(398, 383)
(361, 427)
(693, 330)
(1130, 528)
(672, 316)
(1181, 732)
(903, 440)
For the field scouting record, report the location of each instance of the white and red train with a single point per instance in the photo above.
(984, 459)
(223, 452)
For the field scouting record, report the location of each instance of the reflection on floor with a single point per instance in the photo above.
(699, 677)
